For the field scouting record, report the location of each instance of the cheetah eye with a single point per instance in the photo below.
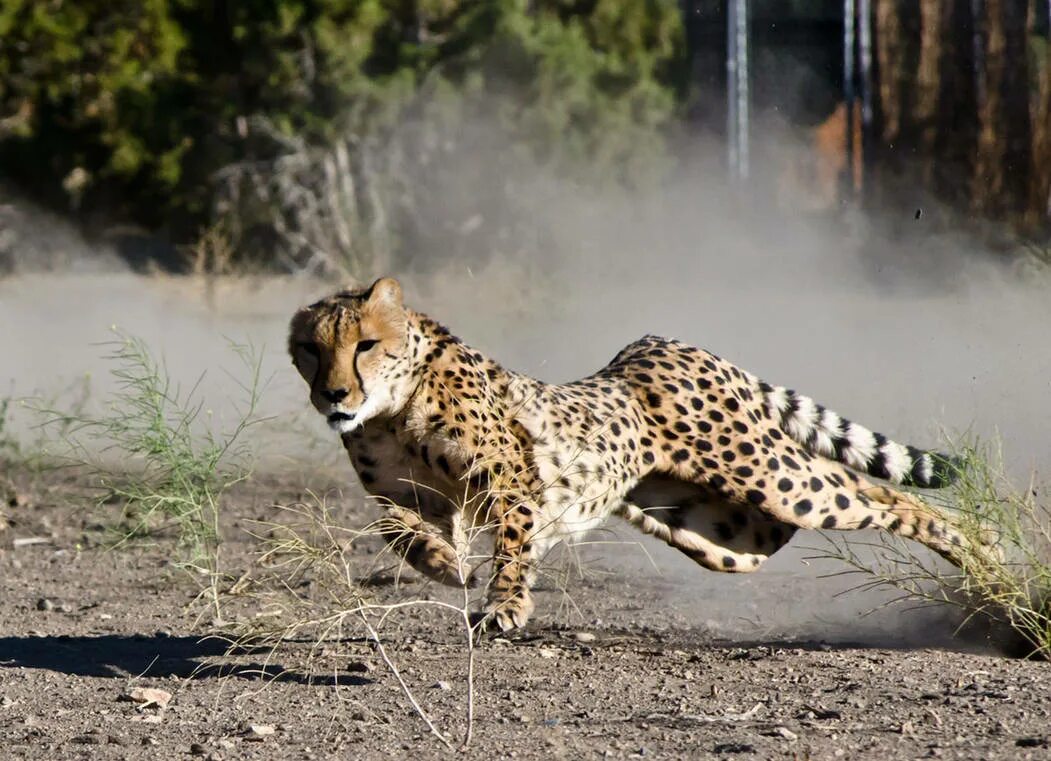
(364, 346)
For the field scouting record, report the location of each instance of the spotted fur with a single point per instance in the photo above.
(680, 443)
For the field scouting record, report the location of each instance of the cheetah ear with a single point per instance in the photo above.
(385, 291)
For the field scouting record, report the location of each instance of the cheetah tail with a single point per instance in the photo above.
(824, 432)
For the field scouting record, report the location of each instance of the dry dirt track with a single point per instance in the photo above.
(621, 677)
(681, 664)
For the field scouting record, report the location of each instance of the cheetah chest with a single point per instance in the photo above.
(426, 476)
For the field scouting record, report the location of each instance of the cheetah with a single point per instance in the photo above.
(682, 444)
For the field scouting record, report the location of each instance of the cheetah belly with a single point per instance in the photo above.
(577, 497)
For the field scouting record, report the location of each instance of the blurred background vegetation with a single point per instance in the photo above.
(320, 134)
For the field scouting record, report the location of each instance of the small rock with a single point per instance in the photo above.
(358, 716)
(45, 604)
(583, 636)
(733, 748)
(150, 718)
(785, 733)
(547, 652)
(198, 749)
(443, 686)
(1032, 742)
(227, 744)
(146, 697)
(259, 732)
(822, 714)
(148, 741)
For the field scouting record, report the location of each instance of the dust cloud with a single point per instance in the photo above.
(901, 329)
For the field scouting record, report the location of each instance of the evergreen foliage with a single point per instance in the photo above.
(134, 105)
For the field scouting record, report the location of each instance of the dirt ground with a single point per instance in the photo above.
(620, 673)
(646, 656)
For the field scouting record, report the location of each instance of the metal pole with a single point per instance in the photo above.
(978, 53)
(731, 89)
(865, 49)
(849, 94)
(865, 54)
(742, 89)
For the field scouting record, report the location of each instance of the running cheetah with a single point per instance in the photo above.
(682, 444)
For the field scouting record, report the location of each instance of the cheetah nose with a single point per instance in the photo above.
(335, 395)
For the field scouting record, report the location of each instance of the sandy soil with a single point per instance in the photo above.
(620, 673)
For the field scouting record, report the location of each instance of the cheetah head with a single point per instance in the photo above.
(352, 349)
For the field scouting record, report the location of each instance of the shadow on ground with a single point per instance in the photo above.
(127, 656)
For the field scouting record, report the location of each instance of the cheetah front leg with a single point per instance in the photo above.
(509, 603)
(424, 547)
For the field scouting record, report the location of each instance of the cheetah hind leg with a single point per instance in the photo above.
(713, 533)
(828, 496)
(423, 546)
(914, 518)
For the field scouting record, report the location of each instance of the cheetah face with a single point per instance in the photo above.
(352, 349)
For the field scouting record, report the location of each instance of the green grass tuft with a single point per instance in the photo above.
(152, 453)
(1010, 588)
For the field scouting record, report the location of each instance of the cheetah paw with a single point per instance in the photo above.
(504, 615)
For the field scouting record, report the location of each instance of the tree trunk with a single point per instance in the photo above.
(1038, 212)
(1003, 168)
